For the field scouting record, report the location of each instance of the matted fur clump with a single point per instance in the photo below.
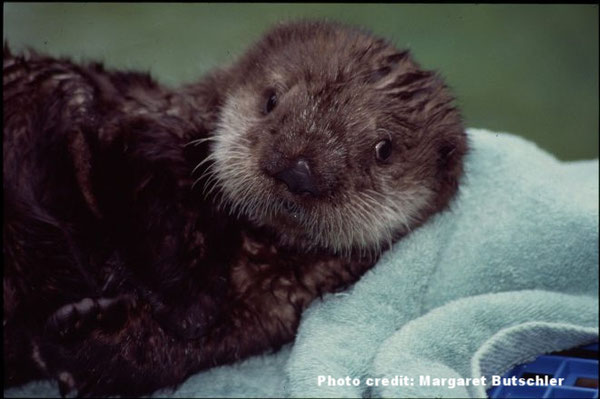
(151, 232)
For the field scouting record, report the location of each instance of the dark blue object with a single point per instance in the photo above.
(578, 367)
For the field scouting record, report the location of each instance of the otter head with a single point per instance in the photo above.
(334, 139)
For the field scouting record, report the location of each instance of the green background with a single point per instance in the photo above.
(527, 69)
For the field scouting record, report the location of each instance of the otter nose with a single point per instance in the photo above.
(298, 178)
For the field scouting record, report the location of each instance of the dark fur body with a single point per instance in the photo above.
(99, 204)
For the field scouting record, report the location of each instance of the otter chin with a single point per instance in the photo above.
(155, 232)
(335, 137)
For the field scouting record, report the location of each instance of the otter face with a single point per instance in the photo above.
(335, 139)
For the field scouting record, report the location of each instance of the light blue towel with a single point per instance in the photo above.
(510, 271)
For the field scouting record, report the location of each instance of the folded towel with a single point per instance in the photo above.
(508, 272)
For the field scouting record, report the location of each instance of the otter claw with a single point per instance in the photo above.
(66, 384)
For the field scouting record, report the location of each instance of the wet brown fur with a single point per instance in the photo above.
(99, 203)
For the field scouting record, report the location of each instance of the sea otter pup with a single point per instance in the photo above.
(152, 232)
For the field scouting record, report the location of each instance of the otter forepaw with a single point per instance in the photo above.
(87, 314)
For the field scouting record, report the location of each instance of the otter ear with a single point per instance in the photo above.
(386, 69)
(396, 72)
(451, 151)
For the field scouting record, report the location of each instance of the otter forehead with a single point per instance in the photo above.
(317, 52)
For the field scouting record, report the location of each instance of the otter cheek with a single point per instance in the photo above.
(269, 162)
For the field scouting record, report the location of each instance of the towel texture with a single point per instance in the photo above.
(508, 272)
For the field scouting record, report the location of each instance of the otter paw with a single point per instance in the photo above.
(87, 314)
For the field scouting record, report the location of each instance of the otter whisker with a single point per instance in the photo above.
(209, 158)
(199, 141)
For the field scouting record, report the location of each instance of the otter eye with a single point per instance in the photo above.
(383, 150)
(271, 101)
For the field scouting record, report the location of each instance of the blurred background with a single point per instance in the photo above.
(531, 70)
